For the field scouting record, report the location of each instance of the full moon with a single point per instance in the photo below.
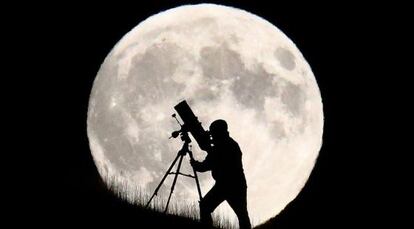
(228, 64)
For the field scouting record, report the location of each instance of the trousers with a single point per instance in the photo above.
(235, 197)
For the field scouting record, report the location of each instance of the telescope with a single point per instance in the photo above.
(191, 125)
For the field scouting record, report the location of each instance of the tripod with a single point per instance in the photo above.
(180, 155)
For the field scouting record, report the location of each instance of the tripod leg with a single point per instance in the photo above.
(175, 180)
(198, 184)
(162, 180)
(195, 176)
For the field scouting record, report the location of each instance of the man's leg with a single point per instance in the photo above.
(238, 202)
(210, 202)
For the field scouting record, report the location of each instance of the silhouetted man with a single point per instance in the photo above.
(225, 162)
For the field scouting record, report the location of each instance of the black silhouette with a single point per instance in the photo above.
(190, 125)
(224, 159)
(185, 149)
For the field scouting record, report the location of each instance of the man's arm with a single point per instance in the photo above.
(201, 166)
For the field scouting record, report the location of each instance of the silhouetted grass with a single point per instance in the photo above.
(188, 215)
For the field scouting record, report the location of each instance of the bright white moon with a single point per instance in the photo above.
(228, 64)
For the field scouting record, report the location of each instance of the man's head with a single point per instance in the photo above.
(218, 129)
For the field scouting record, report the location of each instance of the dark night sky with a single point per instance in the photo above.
(67, 44)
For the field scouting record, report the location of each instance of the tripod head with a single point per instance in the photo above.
(182, 132)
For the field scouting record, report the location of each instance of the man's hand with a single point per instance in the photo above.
(200, 166)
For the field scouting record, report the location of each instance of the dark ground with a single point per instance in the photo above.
(58, 49)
